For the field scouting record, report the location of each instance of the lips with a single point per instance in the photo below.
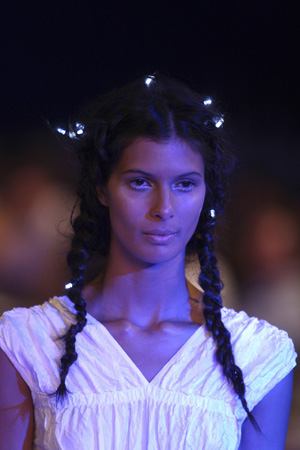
(159, 236)
(159, 232)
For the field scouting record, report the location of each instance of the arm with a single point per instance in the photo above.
(272, 416)
(16, 408)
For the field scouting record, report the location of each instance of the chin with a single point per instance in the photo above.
(162, 258)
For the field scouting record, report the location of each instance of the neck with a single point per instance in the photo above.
(144, 296)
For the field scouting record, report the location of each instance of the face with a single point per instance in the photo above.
(155, 196)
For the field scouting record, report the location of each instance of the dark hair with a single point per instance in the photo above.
(159, 108)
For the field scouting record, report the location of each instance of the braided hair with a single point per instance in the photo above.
(158, 108)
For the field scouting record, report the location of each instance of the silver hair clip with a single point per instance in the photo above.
(208, 101)
(149, 80)
(217, 120)
(74, 133)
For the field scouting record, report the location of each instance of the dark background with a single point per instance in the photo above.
(55, 55)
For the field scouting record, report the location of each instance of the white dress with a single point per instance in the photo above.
(111, 405)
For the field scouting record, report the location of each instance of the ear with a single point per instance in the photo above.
(102, 195)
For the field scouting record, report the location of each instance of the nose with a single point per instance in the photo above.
(163, 204)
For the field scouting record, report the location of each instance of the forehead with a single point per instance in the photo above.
(175, 155)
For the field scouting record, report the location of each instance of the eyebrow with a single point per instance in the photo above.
(147, 174)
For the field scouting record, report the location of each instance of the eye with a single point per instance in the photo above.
(139, 184)
(185, 185)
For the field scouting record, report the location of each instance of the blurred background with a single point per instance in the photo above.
(56, 55)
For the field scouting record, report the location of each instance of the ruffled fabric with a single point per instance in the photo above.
(112, 406)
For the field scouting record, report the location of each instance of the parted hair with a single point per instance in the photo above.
(159, 108)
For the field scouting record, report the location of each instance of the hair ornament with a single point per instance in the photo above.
(218, 121)
(79, 128)
(208, 101)
(75, 131)
(149, 80)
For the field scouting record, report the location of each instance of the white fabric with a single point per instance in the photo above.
(188, 405)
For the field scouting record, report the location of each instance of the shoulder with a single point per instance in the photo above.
(252, 334)
(37, 322)
(30, 337)
(265, 354)
(57, 309)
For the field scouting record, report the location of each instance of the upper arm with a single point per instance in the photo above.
(272, 415)
(16, 408)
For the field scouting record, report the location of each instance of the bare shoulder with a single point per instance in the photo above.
(272, 415)
(16, 408)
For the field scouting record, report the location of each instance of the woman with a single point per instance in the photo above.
(146, 361)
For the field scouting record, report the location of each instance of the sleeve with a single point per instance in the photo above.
(263, 352)
(15, 343)
(30, 341)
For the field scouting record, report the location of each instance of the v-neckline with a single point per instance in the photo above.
(122, 352)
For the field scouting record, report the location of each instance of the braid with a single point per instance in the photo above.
(87, 240)
(209, 280)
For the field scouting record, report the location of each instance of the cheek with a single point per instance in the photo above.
(194, 214)
(123, 213)
(193, 207)
(194, 218)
